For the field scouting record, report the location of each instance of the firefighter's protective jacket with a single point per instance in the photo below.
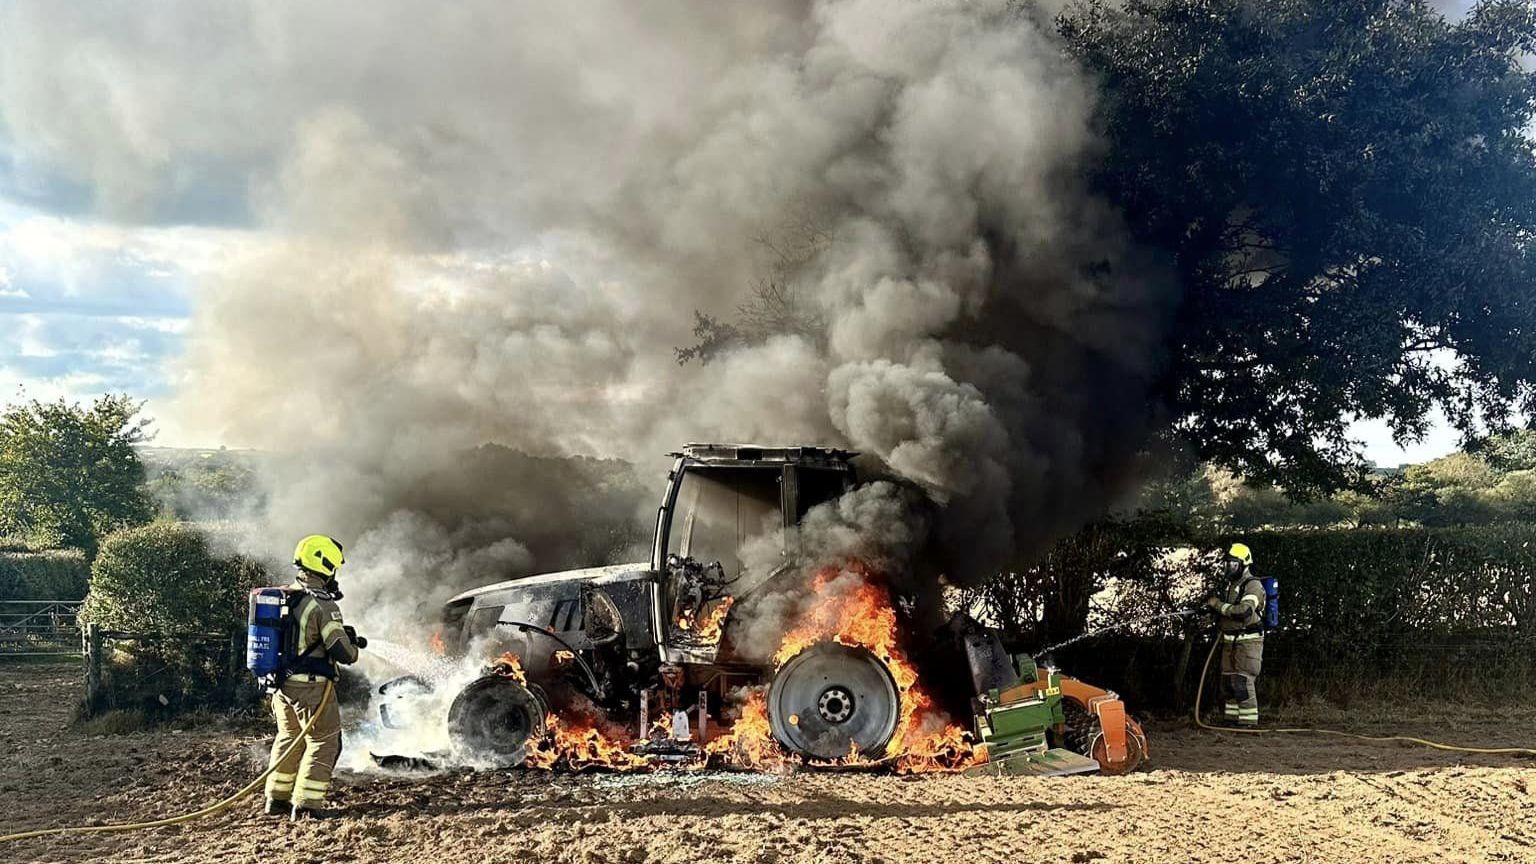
(321, 634)
(1242, 608)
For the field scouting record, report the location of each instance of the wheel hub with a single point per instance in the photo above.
(835, 705)
(494, 718)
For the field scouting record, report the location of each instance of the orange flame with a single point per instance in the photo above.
(710, 626)
(436, 643)
(750, 743)
(511, 666)
(582, 738)
(854, 608)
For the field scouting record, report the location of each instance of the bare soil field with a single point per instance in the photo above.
(1207, 797)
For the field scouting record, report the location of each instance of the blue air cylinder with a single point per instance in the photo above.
(1271, 602)
(264, 631)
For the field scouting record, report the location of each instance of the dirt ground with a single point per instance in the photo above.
(1207, 797)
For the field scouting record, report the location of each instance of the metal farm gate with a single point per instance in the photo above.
(40, 628)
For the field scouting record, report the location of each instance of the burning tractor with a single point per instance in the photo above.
(633, 666)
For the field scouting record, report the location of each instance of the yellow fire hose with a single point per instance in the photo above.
(211, 809)
(1200, 693)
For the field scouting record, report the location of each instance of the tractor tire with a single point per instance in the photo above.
(494, 718)
(831, 701)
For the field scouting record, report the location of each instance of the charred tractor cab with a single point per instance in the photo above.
(634, 644)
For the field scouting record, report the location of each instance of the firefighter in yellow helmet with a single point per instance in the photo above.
(298, 785)
(1239, 611)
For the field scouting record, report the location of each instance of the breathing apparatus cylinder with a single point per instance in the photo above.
(1271, 616)
(265, 631)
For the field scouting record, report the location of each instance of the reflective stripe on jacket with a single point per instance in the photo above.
(321, 638)
(1242, 608)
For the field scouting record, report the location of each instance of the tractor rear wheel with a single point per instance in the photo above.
(831, 701)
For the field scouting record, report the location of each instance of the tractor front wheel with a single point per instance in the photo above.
(495, 717)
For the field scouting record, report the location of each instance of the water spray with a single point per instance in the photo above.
(1181, 613)
(413, 660)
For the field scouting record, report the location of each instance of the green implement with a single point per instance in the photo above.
(1048, 724)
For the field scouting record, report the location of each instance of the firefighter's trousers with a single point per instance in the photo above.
(305, 776)
(1242, 656)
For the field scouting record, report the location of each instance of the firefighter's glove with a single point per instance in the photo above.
(1214, 604)
(352, 635)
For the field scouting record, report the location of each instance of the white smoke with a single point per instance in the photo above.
(493, 222)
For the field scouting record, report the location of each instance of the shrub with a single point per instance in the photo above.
(182, 603)
(163, 579)
(69, 475)
(56, 575)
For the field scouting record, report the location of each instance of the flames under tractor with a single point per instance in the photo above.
(648, 653)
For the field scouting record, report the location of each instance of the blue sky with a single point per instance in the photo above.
(87, 307)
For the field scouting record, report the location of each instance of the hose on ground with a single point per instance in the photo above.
(216, 807)
(1200, 695)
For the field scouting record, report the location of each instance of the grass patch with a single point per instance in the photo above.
(114, 722)
(126, 721)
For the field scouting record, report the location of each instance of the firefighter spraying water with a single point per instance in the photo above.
(295, 641)
(1245, 609)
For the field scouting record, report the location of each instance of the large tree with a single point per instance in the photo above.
(70, 475)
(1348, 192)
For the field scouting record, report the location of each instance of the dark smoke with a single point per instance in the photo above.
(492, 222)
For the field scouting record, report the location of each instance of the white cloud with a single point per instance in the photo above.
(28, 337)
(6, 288)
(17, 384)
(88, 307)
(163, 325)
(75, 251)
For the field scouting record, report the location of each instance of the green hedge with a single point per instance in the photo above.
(1348, 587)
(57, 575)
(1401, 614)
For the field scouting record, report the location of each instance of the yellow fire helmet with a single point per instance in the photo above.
(318, 553)
(1241, 552)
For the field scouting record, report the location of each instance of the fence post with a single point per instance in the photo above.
(1187, 636)
(236, 663)
(93, 646)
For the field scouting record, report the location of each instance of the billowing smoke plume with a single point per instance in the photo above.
(494, 221)
(881, 526)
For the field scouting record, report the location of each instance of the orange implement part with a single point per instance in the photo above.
(1112, 722)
